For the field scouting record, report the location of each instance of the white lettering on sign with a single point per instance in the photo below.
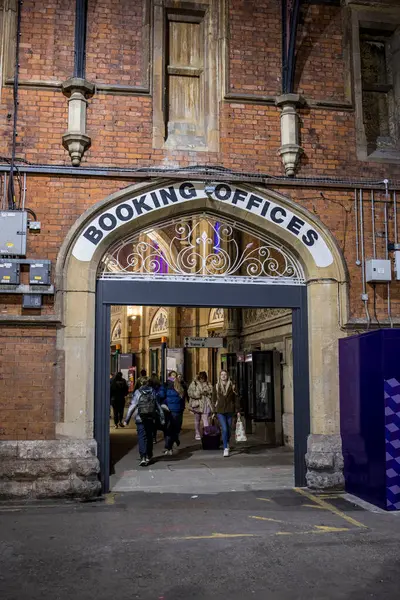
(204, 342)
(134, 208)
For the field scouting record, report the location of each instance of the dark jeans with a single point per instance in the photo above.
(225, 420)
(145, 437)
(173, 429)
(118, 405)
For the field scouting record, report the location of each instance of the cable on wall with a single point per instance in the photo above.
(11, 184)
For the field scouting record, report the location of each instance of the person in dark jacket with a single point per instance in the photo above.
(145, 423)
(118, 390)
(225, 403)
(140, 381)
(174, 401)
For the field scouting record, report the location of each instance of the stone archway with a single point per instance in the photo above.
(142, 205)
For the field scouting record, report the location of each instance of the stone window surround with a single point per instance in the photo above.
(363, 16)
(210, 10)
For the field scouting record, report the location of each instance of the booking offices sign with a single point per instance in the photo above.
(142, 204)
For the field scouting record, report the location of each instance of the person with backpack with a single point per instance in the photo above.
(173, 396)
(145, 406)
(118, 391)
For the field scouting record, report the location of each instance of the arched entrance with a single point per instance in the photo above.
(318, 299)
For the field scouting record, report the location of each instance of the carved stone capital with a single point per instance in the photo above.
(76, 144)
(76, 84)
(290, 149)
(290, 154)
(294, 99)
(75, 140)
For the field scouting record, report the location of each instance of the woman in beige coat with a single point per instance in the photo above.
(225, 403)
(200, 395)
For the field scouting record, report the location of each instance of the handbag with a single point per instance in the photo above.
(240, 433)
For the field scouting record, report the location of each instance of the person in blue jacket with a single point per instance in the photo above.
(173, 397)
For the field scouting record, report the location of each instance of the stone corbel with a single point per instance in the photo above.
(75, 139)
(290, 149)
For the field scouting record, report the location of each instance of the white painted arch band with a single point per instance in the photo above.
(129, 210)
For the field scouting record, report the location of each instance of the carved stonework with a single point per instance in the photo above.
(116, 332)
(254, 316)
(159, 324)
(217, 315)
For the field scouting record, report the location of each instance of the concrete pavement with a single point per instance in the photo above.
(253, 465)
(282, 544)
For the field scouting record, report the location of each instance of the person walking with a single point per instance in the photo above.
(225, 403)
(158, 426)
(118, 391)
(146, 408)
(200, 401)
(173, 398)
(140, 380)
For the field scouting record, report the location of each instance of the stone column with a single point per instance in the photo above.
(324, 449)
(75, 140)
(290, 149)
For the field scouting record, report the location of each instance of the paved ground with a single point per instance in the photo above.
(252, 465)
(282, 544)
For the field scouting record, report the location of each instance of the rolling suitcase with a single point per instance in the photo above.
(211, 438)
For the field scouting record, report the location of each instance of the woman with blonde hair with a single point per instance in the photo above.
(174, 401)
(200, 394)
(225, 403)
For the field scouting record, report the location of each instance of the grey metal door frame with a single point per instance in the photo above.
(201, 294)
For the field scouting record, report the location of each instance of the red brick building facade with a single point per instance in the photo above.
(134, 102)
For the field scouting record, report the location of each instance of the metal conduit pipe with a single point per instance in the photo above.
(373, 223)
(364, 296)
(357, 232)
(395, 217)
(385, 213)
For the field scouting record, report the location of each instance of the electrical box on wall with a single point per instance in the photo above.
(13, 225)
(378, 271)
(31, 301)
(397, 264)
(9, 272)
(39, 273)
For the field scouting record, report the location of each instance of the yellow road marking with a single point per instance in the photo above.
(266, 519)
(264, 499)
(110, 498)
(315, 506)
(215, 536)
(331, 496)
(323, 504)
(328, 529)
(322, 529)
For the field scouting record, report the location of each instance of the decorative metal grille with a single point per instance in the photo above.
(201, 247)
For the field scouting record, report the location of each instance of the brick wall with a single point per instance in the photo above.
(121, 125)
(27, 383)
(116, 40)
(121, 130)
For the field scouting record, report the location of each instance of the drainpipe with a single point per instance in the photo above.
(290, 150)
(78, 90)
(385, 213)
(11, 188)
(364, 296)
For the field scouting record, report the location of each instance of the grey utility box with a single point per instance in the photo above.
(13, 225)
(39, 273)
(378, 271)
(9, 272)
